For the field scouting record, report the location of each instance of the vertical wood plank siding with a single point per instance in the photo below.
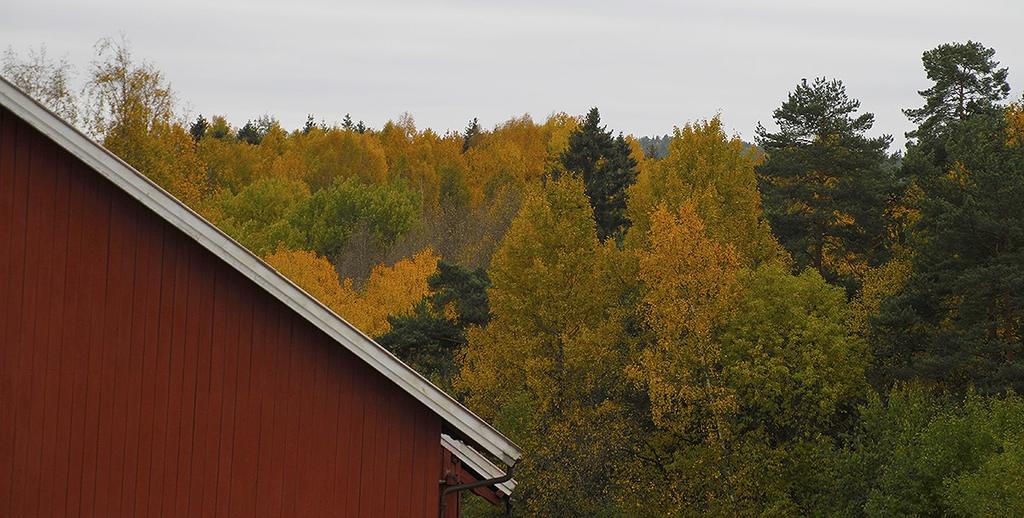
(140, 376)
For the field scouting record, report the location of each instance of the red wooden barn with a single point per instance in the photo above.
(151, 366)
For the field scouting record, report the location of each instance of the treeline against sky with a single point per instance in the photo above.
(690, 325)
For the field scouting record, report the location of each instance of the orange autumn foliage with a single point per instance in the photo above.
(390, 291)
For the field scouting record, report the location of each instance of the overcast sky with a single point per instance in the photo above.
(648, 66)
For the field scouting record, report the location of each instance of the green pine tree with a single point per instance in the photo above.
(960, 319)
(967, 80)
(825, 182)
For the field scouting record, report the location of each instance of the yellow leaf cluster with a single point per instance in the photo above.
(390, 291)
(553, 303)
(880, 283)
(692, 282)
(716, 173)
(1015, 124)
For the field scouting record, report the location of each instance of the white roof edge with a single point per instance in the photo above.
(477, 462)
(245, 262)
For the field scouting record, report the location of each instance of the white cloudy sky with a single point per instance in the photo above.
(647, 65)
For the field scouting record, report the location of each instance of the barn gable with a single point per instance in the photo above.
(56, 209)
(180, 216)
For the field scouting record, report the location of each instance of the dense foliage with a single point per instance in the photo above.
(677, 326)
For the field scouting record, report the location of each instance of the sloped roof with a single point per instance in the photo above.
(136, 185)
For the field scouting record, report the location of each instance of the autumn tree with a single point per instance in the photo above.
(125, 96)
(682, 369)
(558, 129)
(131, 108)
(1015, 123)
(44, 79)
(231, 165)
(824, 182)
(546, 368)
(607, 169)
(311, 272)
(749, 373)
(716, 173)
(390, 291)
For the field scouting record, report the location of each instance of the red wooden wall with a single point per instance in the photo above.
(140, 376)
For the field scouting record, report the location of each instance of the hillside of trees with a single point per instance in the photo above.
(687, 325)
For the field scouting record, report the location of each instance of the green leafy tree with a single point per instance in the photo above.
(798, 368)
(607, 169)
(751, 375)
(918, 453)
(261, 216)
(333, 214)
(825, 183)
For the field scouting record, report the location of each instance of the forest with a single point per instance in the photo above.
(804, 325)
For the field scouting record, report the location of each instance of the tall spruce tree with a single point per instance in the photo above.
(471, 135)
(607, 169)
(309, 125)
(959, 321)
(198, 128)
(825, 183)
